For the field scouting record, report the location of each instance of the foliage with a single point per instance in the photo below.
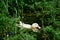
(45, 12)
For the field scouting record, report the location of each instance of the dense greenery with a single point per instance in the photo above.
(45, 12)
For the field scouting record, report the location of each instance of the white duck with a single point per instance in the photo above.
(34, 27)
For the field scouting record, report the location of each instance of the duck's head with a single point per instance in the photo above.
(35, 27)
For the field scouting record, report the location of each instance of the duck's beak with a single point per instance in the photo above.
(38, 27)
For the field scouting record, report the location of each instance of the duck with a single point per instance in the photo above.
(34, 27)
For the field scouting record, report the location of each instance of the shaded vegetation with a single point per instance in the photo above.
(45, 12)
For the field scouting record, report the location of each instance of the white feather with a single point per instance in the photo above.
(25, 25)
